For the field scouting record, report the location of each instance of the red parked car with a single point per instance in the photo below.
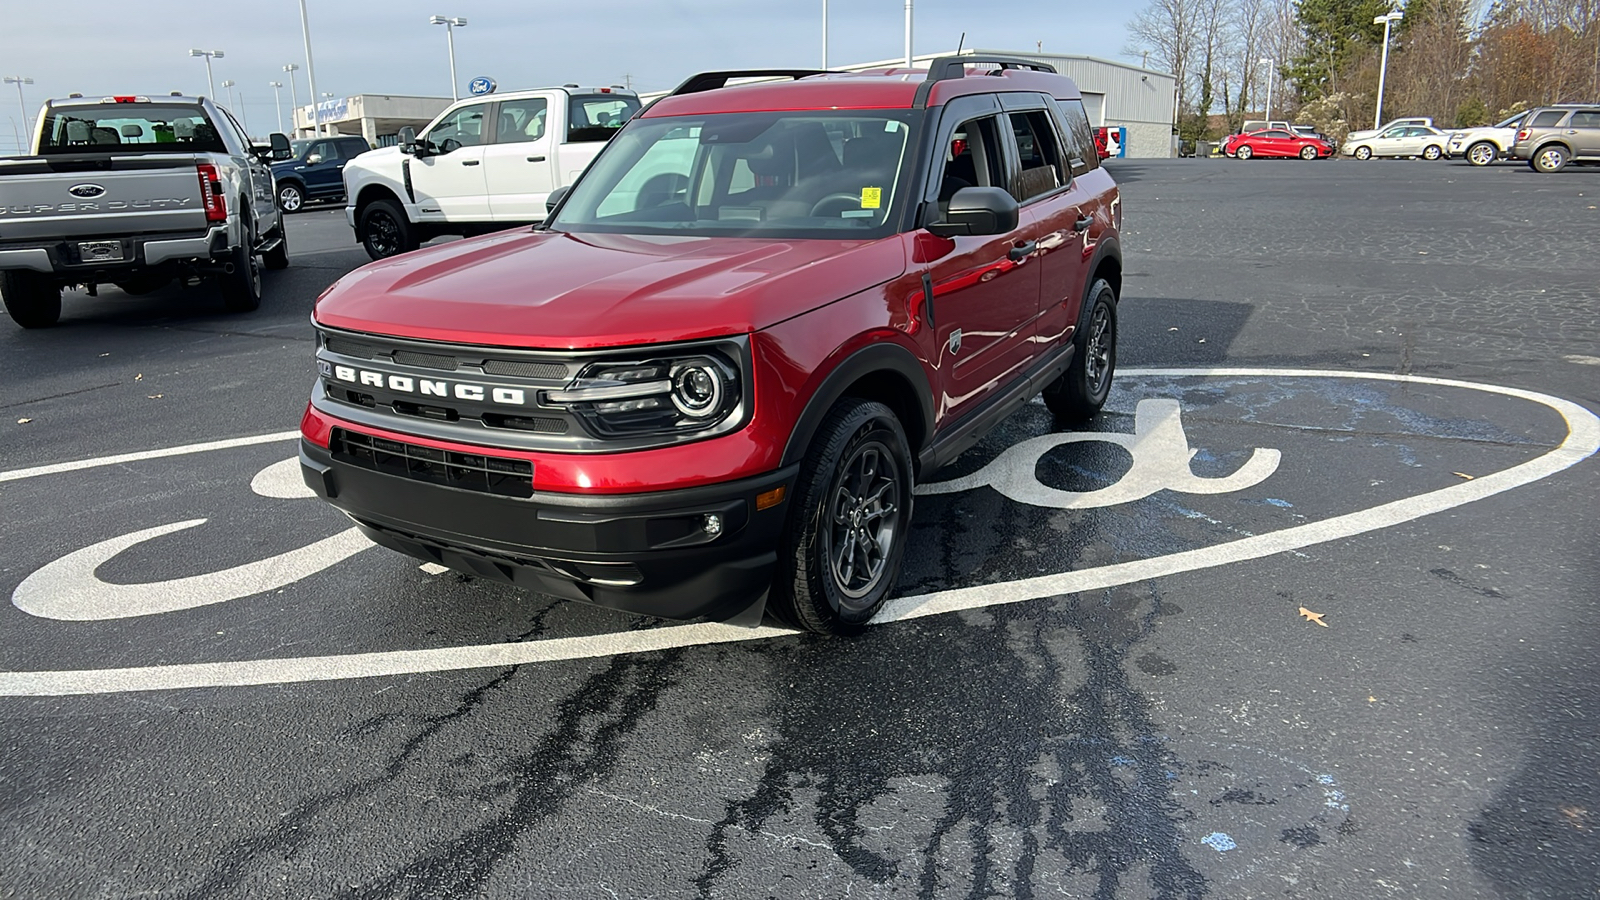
(1276, 142)
(708, 383)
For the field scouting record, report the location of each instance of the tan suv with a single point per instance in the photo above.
(1554, 136)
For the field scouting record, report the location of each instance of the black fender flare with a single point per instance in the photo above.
(1107, 248)
(885, 356)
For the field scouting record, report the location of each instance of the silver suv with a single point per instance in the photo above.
(1551, 137)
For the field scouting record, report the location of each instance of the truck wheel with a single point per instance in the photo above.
(385, 231)
(847, 530)
(278, 257)
(1081, 390)
(241, 288)
(32, 298)
(1482, 153)
(291, 198)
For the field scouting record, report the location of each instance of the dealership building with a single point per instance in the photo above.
(1117, 95)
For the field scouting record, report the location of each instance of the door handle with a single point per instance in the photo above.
(1572, 131)
(1019, 252)
(1083, 223)
(535, 159)
(470, 162)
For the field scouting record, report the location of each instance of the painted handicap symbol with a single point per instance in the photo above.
(1161, 456)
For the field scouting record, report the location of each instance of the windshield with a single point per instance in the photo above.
(828, 174)
(1512, 122)
(129, 128)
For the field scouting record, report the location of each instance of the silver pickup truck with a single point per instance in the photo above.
(137, 191)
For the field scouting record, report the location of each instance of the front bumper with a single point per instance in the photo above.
(646, 553)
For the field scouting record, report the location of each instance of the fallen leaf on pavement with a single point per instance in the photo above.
(1461, 474)
(140, 376)
(153, 396)
(1313, 617)
(23, 421)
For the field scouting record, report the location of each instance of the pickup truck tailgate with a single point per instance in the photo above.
(88, 195)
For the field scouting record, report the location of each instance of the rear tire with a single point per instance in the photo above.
(1079, 392)
(1244, 152)
(1432, 152)
(1482, 153)
(241, 288)
(385, 232)
(846, 534)
(32, 299)
(1363, 153)
(1549, 159)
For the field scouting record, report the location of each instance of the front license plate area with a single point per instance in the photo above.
(100, 251)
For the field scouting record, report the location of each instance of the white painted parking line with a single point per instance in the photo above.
(1582, 441)
(118, 459)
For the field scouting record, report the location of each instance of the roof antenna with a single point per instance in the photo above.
(961, 43)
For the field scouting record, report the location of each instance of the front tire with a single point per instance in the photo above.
(1079, 392)
(32, 299)
(1308, 153)
(845, 538)
(1363, 153)
(291, 198)
(385, 232)
(1244, 152)
(1481, 154)
(1549, 159)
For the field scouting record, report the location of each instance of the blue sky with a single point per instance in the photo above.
(141, 46)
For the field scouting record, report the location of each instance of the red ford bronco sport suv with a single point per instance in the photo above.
(708, 383)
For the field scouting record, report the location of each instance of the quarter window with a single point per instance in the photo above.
(1547, 118)
(1080, 136)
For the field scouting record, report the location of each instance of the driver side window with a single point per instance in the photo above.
(972, 158)
(462, 128)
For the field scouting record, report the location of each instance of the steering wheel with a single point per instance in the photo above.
(449, 144)
(843, 199)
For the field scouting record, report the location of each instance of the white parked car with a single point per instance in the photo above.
(486, 163)
(1483, 145)
(1414, 120)
(1399, 140)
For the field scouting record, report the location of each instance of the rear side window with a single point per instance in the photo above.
(1547, 118)
(1038, 155)
(596, 117)
(521, 121)
(353, 148)
(1081, 153)
(129, 128)
(1587, 118)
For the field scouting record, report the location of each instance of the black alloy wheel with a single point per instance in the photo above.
(385, 231)
(846, 533)
(1079, 392)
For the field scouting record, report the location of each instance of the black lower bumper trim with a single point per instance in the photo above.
(682, 554)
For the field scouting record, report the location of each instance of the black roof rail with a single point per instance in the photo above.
(947, 67)
(710, 81)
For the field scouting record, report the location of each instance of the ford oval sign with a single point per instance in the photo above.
(483, 84)
(86, 190)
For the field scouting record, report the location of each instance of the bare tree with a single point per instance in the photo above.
(1167, 29)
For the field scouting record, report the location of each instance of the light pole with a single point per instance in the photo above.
(908, 33)
(824, 34)
(450, 26)
(294, 97)
(311, 70)
(277, 101)
(1272, 71)
(22, 107)
(227, 85)
(209, 54)
(1383, 68)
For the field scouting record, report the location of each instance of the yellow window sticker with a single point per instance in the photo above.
(871, 197)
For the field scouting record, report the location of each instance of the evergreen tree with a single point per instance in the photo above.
(1334, 31)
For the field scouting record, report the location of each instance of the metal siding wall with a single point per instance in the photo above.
(1129, 98)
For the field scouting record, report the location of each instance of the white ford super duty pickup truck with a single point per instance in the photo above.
(137, 191)
(486, 163)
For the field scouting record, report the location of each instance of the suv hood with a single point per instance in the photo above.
(567, 291)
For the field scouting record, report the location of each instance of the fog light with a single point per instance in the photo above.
(711, 524)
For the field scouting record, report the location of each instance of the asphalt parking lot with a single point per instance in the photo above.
(1361, 390)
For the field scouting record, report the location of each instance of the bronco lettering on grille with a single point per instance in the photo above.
(406, 384)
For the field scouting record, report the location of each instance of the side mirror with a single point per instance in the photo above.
(555, 198)
(978, 210)
(313, 158)
(407, 140)
(280, 146)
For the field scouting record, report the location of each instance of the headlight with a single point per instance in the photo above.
(680, 395)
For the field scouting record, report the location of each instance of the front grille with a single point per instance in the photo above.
(351, 348)
(537, 425)
(519, 369)
(467, 471)
(426, 360)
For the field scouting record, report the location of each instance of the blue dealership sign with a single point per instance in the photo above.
(483, 84)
